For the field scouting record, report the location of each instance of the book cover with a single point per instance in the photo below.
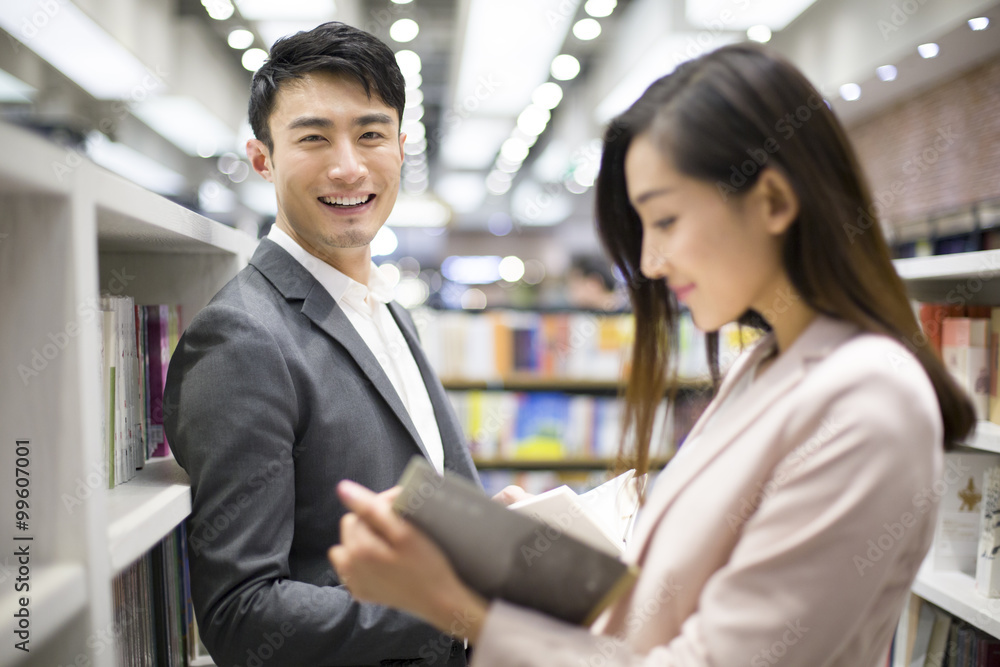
(938, 644)
(964, 351)
(956, 537)
(988, 553)
(994, 365)
(503, 554)
(922, 637)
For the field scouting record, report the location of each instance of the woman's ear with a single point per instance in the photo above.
(776, 201)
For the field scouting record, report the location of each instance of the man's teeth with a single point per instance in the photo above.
(344, 201)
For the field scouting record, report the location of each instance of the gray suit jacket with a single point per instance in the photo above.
(272, 397)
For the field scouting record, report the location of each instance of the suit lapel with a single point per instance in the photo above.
(295, 282)
(456, 454)
(819, 339)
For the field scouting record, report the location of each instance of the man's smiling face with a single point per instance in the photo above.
(335, 164)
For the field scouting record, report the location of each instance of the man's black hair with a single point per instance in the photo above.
(330, 47)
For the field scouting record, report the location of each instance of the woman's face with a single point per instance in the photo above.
(719, 257)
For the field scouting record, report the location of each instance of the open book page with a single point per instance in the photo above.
(504, 554)
(602, 517)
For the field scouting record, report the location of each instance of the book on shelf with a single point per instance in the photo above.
(988, 551)
(496, 345)
(956, 536)
(602, 517)
(964, 351)
(994, 365)
(552, 426)
(503, 554)
(152, 607)
(935, 638)
(136, 344)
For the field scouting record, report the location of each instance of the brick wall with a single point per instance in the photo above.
(937, 151)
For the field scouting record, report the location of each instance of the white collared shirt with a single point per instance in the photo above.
(365, 307)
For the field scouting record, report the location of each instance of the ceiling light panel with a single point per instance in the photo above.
(287, 10)
(740, 14)
(79, 48)
(472, 143)
(507, 51)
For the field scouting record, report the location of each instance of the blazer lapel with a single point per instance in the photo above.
(295, 282)
(819, 339)
(456, 454)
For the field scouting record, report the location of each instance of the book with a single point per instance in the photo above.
(964, 351)
(956, 537)
(938, 644)
(994, 365)
(503, 554)
(922, 637)
(602, 517)
(988, 553)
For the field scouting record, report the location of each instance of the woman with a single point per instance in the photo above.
(731, 187)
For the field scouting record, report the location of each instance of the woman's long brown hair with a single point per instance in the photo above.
(723, 118)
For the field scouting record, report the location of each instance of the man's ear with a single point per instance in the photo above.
(402, 140)
(778, 203)
(260, 158)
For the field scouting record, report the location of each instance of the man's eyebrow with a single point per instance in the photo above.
(325, 123)
(373, 119)
(310, 121)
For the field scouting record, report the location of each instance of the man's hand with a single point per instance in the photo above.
(512, 494)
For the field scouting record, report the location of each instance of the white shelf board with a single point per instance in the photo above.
(144, 509)
(986, 437)
(202, 661)
(955, 592)
(133, 219)
(982, 264)
(58, 593)
(36, 164)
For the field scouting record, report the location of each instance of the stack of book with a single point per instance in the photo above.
(967, 339)
(154, 616)
(498, 344)
(136, 345)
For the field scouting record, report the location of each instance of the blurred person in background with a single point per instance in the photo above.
(591, 285)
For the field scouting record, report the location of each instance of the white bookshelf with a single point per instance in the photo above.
(66, 236)
(972, 278)
(143, 510)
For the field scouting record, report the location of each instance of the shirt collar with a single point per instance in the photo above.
(339, 285)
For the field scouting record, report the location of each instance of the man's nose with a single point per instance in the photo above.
(348, 164)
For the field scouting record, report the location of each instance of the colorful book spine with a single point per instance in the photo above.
(988, 553)
(964, 351)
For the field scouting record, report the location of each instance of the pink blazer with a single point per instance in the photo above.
(789, 533)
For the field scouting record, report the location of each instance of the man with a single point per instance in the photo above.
(302, 372)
